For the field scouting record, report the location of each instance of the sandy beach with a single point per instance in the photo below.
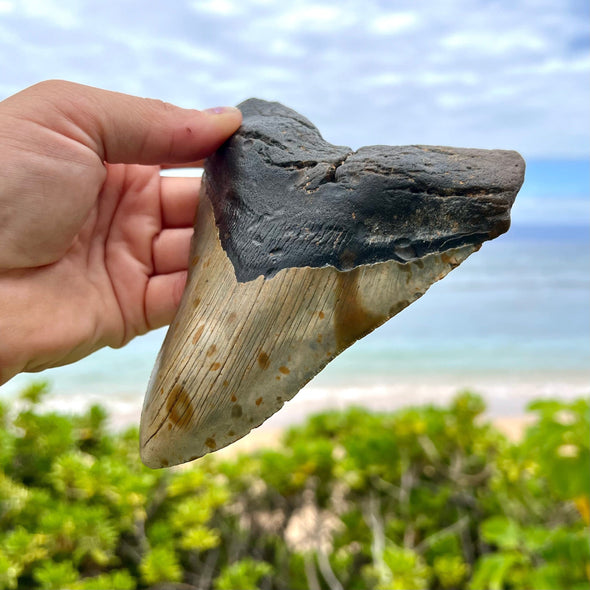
(506, 400)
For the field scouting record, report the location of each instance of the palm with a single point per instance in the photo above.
(123, 273)
(129, 209)
(149, 221)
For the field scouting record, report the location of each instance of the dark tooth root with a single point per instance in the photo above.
(376, 204)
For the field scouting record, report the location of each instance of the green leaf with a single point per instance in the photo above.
(24, 547)
(55, 576)
(187, 482)
(13, 497)
(560, 444)
(189, 512)
(407, 570)
(501, 531)
(491, 570)
(244, 574)
(535, 538)
(159, 565)
(450, 570)
(9, 572)
(468, 404)
(119, 580)
(161, 533)
(35, 392)
(200, 538)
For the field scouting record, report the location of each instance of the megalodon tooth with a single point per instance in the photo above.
(300, 249)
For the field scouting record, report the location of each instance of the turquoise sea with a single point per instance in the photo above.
(512, 322)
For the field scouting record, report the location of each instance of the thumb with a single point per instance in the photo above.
(127, 129)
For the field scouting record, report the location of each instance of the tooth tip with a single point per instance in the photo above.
(152, 462)
(152, 453)
(160, 448)
(158, 452)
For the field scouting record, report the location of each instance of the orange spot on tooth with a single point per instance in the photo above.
(215, 367)
(351, 320)
(178, 405)
(258, 401)
(198, 333)
(263, 360)
(450, 260)
(195, 260)
(211, 444)
(234, 398)
(212, 350)
(284, 370)
(321, 315)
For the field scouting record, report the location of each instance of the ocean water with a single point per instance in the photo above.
(512, 322)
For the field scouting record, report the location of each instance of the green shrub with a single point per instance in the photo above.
(421, 498)
(244, 574)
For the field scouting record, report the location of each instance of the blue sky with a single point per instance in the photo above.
(555, 193)
(474, 73)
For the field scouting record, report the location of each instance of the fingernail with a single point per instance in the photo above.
(220, 110)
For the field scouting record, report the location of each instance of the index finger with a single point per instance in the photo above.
(122, 128)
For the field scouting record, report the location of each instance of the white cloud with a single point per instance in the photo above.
(282, 47)
(189, 51)
(555, 65)
(274, 73)
(57, 13)
(492, 42)
(217, 7)
(383, 79)
(6, 7)
(433, 78)
(392, 23)
(308, 17)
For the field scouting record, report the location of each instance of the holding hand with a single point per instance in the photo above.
(93, 242)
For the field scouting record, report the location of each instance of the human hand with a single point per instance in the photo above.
(94, 243)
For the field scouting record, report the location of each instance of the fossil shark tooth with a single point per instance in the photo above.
(300, 249)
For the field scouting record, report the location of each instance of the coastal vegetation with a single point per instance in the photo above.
(427, 497)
